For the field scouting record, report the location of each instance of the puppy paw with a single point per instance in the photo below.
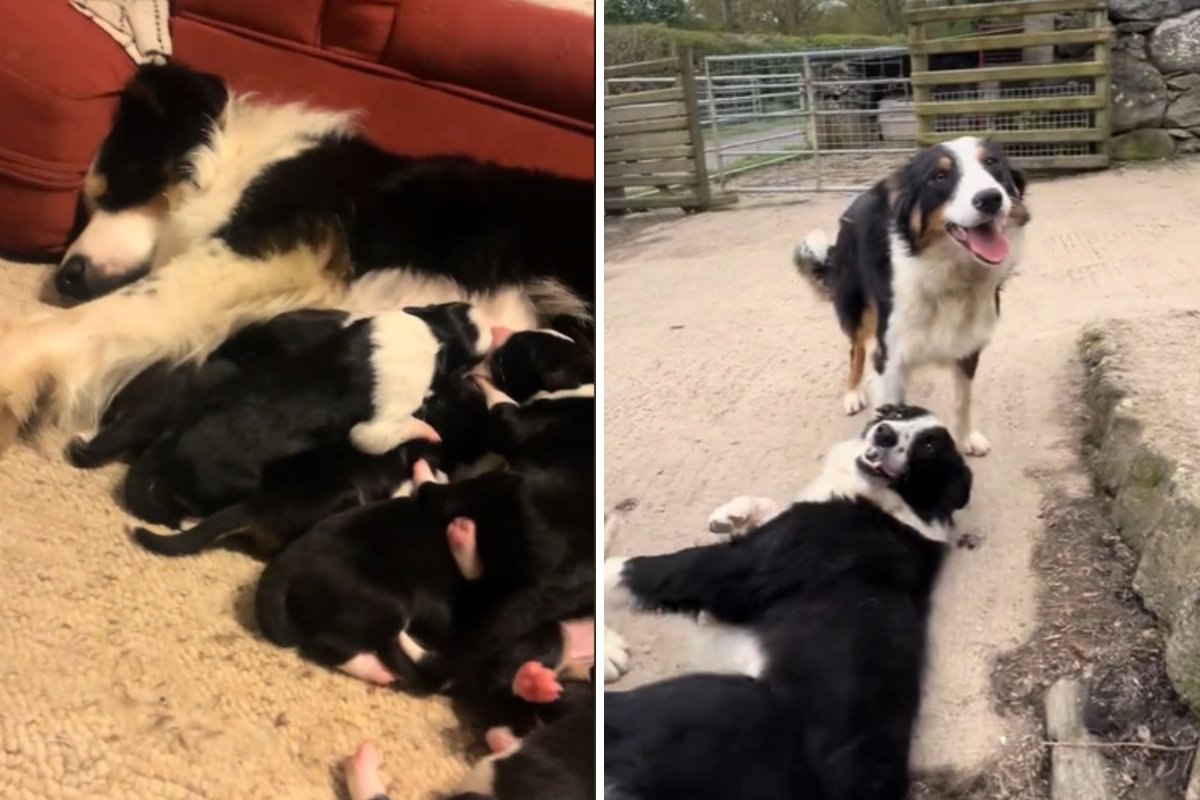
(79, 454)
(616, 655)
(501, 740)
(460, 534)
(741, 515)
(536, 683)
(362, 773)
(975, 444)
(854, 401)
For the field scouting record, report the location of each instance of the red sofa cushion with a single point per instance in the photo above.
(59, 75)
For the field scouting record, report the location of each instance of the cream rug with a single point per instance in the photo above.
(123, 675)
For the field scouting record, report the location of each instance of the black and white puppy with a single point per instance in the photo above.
(297, 492)
(347, 592)
(164, 395)
(823, 611)
(365, 385)
(917, 267)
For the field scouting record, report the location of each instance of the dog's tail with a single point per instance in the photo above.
(226, 522)
(270, 605)
(813, 259)
(553, 299)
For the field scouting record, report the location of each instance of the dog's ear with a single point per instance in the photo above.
(958, 492)
(1018, 178)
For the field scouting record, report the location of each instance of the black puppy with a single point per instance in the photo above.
(823, 609)
(164, 394)
(525, 645)
(297, 492)
(345, 592)
(364, 384)
(554, 762)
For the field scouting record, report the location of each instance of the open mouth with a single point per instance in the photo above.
(986, 242)
(871, 463)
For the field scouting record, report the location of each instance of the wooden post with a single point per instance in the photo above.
(919, 62)
(1102, 54)
(687, 79)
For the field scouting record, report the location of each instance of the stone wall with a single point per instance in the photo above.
(1156, 78)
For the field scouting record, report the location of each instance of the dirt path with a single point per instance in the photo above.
(723, 376)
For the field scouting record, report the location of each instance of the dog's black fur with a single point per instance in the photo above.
(479, 224)
(164, 395)
(837, 594)
(358, 579)
(280, 409)
(554, 762)
(479, 665)
(296, 493)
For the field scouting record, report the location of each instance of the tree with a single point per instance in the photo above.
(666, 12)
(783, 16)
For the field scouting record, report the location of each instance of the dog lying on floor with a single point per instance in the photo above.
(237, 209)
(346, 591)
(820, 612)
(365, 383)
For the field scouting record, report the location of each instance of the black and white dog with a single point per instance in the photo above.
(821, 610)
(237, 209)
(917, 267)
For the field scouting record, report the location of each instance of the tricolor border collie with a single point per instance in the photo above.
(916, 270)
(817, 617)
(210, 210)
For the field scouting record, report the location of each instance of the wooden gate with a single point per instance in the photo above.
(653, 149)
(1033, 75)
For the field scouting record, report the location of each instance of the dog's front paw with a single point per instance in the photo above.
(741, 515)
(975, 444)
(616, 655)
(854, 401)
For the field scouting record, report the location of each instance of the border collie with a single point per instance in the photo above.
(917, 267)
(822, 610)
(236, 209)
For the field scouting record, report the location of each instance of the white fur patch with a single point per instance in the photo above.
(728, 649)
(616, 595)
(403, 358)
(117, 243)
(587, 390)
(390, 289)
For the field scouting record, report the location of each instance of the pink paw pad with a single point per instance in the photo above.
(536, 683)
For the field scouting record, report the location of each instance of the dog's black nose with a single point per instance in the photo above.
(71, 278)
(885, 435)
(988, 201)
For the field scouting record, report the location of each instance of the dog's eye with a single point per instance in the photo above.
(991, 161)
(938, 176)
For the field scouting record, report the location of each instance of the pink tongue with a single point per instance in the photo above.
(987, 243)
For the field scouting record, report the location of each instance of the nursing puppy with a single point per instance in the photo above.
(822, 611)
(916, 271)
(297, 492)
(165, 394)
(523, 649)
(364, 385)
(346, 591)
(555, 762)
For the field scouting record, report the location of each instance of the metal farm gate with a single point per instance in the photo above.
(807, 121)
(1033, 75)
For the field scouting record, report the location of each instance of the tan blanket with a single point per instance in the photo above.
(127, 676)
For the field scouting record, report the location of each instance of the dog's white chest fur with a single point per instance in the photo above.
(942, 310)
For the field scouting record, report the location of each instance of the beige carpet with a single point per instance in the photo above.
(123, 675)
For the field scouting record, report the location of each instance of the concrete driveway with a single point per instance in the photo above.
(723, 377)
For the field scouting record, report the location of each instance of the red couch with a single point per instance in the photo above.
(505, 80)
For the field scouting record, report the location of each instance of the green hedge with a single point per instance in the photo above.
(624, 44)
